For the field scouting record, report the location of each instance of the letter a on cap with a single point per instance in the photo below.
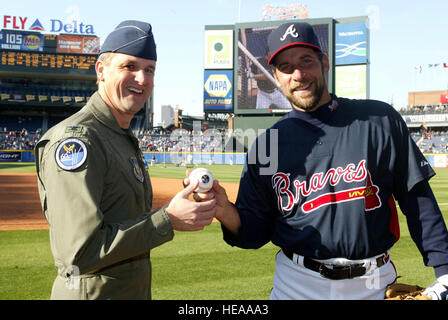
(291, 31)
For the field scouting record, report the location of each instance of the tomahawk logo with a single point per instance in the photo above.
(287, 198)
(290, 31)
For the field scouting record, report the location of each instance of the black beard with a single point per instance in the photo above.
(309, 105)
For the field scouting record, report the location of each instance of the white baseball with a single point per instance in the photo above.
(205, 178)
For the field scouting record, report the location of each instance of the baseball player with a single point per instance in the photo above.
(268, 95)
(330, 205)
(95, 191)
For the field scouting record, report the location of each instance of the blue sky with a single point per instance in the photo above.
(404, 34)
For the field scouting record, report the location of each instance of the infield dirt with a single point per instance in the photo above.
(20, 207)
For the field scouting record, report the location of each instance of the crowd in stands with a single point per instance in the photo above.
(150, 140)
(426, 109)
(429, 140)
(154, 140)
(432, 141)
(182, 140)
(18, 139)
(159, 140)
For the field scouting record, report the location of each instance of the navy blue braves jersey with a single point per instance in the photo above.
(332, 194)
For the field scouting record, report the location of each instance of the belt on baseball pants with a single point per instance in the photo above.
(337, 272)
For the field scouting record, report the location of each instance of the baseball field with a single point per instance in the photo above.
(194, 266)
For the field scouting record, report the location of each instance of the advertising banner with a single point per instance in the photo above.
(22, 41)
(77, 44)
(444, 98)
(218, 90)
(218, 49)
(440, 161)
(441, 117)
(351, 82)
(351, 43)
(47, 25)
(10, 156)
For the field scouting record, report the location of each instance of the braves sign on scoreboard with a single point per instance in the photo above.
(218, 90)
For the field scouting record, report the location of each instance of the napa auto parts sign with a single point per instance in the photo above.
(52, 25)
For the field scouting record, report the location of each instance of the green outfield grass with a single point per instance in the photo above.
(405, 255)
(195, 265)
(224, 173)
(17, 167)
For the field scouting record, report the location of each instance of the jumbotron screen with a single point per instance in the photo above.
(257, 91)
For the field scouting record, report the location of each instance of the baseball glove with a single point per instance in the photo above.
(402, 291)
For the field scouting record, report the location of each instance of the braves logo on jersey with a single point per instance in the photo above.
(290, 193)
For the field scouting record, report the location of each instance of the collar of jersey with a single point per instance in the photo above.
(316, 117)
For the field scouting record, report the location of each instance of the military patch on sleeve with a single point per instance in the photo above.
(137, 170)
(71, 154)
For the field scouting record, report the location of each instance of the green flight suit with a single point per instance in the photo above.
(101, 227)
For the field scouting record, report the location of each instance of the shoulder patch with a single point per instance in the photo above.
(137, 170)
(71, 154)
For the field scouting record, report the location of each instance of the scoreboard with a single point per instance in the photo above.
(41, 62)
(44, 77)
(36, 53)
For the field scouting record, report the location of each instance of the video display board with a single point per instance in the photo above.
(255, 90)
(20, 40)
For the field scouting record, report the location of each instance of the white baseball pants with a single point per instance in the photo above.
(292, 281)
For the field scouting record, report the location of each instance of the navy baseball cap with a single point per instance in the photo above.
(292, 34)
(131, 37)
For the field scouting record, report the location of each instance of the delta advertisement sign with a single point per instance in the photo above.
(53, 25)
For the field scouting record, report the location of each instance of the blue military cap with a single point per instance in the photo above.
(292, 34)
(131, 37)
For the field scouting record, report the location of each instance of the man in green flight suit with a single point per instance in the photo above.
(95, 191)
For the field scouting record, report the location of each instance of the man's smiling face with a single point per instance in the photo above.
(299, 71)
(126, 82)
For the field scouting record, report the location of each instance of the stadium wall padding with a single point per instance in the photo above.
(159, 157)
(435, 160)
(195, 157)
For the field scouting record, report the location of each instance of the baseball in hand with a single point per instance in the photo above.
(205, 178)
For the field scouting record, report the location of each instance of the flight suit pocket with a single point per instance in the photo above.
(130, 280)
